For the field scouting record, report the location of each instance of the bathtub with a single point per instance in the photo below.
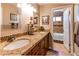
(58, 36)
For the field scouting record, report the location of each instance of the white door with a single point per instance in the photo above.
(66, 28)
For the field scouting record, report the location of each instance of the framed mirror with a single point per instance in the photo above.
(13, 17)
(35, 20)
(45, 20)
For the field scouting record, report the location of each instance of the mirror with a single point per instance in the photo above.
(15, 17)
(11, 19)
(45, 20)
(10, 13)
(14, 21)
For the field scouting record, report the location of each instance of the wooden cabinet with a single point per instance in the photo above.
(40, 48)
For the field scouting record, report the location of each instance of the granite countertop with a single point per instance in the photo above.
(33, 40)
(7, 32)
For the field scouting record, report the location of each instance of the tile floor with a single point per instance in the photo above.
(59, 50)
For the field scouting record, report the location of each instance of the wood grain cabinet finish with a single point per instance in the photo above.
(40, 48)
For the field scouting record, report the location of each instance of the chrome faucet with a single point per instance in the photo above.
(11, 38)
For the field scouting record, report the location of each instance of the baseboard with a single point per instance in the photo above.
(58, 41)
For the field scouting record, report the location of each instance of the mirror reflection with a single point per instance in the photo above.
(16, 17)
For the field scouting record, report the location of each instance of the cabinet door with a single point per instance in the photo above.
(35, 50)
(46, 43)
(43, 47)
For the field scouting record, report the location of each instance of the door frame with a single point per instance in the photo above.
(71, 26)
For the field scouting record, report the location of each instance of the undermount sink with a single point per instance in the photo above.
(17, 44)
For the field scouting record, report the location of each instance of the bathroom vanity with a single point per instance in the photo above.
(38, 45)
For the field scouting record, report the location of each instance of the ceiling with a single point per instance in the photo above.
(42, 3)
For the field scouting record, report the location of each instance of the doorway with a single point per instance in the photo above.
(61, 26)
